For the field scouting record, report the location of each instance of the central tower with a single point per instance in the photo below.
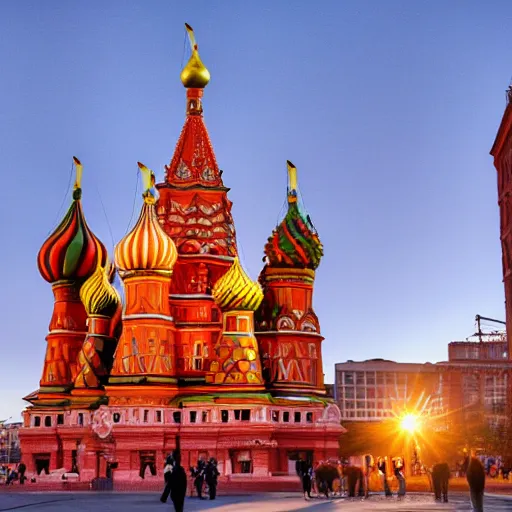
(195, 212)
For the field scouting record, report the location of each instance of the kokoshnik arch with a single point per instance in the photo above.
(198, 350)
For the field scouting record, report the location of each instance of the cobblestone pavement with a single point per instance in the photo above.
(270, 502)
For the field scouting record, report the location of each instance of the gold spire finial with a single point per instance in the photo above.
(150, 194)
(194, 74)
(292, 182)
(77, 187)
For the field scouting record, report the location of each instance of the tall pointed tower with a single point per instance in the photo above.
(287, 326)
(194, 210)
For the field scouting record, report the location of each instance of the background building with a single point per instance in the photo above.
(377, 389)
(477, 375)
(467, 394)
(9, 442)
(502, 153)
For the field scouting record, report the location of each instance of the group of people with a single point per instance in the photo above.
(328, 478)
(475, 474)
(354, 481)
(175, 478)
(18, 473)
(205, 472)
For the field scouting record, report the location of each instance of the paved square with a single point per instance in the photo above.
(270, 502)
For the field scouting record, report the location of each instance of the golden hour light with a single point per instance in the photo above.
(410, 423)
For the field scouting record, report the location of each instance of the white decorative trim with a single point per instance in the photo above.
(286, 331)
(190, 296)
(67, 331)
(141, 316)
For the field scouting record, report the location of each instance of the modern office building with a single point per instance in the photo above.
(377, 389)
(474, 379)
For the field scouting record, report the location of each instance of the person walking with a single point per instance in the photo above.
(22, 469)
(440, 479)
(178, 483)
(306, 479)
(211, 476)
(382, 467)
(475, 476)
(168, 469)
(399, 468)
(198, 475)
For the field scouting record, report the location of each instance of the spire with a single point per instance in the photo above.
(194, 74)
(292, 182)
(72, 251)
(294, 243)
(146, 246)
(194, 162)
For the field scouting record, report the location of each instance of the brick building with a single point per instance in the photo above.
(502, 153)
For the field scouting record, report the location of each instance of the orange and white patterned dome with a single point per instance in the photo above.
(147, 246)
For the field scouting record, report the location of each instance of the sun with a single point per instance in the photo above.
(409, 423)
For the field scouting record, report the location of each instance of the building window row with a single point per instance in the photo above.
(157, 416)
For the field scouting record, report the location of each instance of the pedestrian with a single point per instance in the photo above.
(211, 476)
(198, 475)
(22, 470)
(475, 476)
(399, 469)
(168, 469)
(306, 477)
(178, 483)
(355, 483)
(440, 479)
(13, 475)
(382, 463)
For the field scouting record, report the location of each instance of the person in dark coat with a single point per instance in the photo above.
(399, 470)
(306, 477)
(198, 475)
(382, 467)
(168, 469)
(22, 470)
(178, 483)
(440, 479)
(475, 476)
(355, 483)
(211, 475)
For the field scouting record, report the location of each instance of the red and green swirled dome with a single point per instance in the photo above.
(294, 243)
(72, 251)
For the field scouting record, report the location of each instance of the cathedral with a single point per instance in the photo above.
(196, 355)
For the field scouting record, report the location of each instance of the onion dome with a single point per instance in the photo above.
(71, 252)
(194, 74)
(98, 295)
(147, 246)
(294, 243)
(236, 291)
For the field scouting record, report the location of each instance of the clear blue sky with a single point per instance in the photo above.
(387, 108)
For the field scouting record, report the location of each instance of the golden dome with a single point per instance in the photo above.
(235, 290)
(147, 246)
(97, 294)
(194, 74)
